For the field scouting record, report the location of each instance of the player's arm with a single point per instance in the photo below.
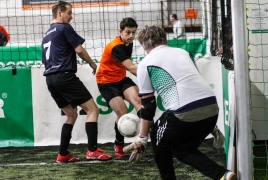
(130, 67)
(122, 55)
(147, 114)
(148, 101)
(82, 53)
(148, 109)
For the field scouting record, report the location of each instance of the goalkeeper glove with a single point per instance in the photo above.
(138, 149)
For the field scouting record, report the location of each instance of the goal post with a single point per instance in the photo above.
(241, 75)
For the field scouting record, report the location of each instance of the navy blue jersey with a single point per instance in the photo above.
(58, 48)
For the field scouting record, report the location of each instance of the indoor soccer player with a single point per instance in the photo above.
(113, 84)
(60, 46)
(192, 109)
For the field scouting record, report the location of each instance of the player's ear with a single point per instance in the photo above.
(120, 30)
(59, 12)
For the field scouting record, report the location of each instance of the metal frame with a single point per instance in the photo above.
(241, 71)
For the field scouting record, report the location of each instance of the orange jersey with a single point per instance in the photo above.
(111, 70)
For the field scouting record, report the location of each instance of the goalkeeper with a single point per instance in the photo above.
(191, 105)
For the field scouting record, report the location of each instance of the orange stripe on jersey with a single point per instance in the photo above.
(110, 71)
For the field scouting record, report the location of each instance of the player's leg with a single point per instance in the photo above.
(75, 92)
(118, 105)
(54, 83)
(86, 102)
(131, 94)
(113, 95)
(161, 138)
(66, 134)
(91, 109)
(189, 137)
(91, 126)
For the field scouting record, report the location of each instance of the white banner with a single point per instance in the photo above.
(210, 69)
(48, 119)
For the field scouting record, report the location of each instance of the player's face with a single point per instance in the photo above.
(128, 34)
(66, 16)
(171, 18)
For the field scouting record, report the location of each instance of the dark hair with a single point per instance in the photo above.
(128, 22)
(174, 16)
(151, 36)
(59, 5)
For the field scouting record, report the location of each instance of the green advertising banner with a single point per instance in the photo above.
(16, 119)
(20, 54)
(225, 85)
(229, 105)
(196, 47)
(32, 54)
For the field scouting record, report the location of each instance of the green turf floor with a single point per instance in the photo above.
(38, 163)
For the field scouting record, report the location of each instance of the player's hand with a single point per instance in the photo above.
(94, 67)
(138, 149)
(219, 51)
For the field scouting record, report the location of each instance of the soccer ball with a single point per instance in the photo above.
(129, 125)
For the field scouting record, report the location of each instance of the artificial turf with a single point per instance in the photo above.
(38, 163)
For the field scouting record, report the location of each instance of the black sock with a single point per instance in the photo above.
(66, 134)
(92, 135)
(119, 138)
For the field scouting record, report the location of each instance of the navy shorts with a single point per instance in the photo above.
(111, 90)
(66, 88)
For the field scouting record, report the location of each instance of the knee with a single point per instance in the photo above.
(137, 102)
(93, 114)
(120, 113)
(71, 119)
(95, 110)
(92, 110)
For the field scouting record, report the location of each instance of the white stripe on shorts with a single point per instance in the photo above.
(160, 132)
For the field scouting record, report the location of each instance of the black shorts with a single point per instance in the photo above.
(111, 90)
(66, 88)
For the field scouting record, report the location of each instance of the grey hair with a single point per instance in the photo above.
(151, 36)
